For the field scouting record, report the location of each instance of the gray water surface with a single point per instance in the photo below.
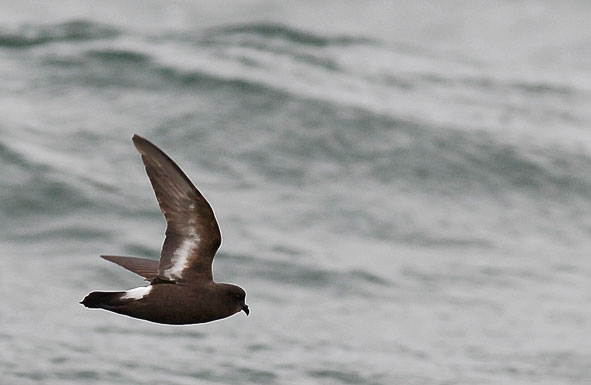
(403, 189)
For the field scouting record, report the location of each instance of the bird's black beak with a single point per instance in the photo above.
(245, 309)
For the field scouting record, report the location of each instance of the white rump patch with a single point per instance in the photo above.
(137, 293)
(181, 255)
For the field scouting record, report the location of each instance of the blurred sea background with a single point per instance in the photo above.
(403, 188)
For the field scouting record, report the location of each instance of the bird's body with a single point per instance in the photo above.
(181, 290)
(167, 303)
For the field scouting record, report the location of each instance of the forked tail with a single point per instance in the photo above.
(102, 299)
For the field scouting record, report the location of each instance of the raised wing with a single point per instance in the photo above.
(192, 232)
(144, 267)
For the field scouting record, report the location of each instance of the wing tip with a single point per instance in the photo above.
(144, 267)
(139, 141)
(145, 147)
(109, 258)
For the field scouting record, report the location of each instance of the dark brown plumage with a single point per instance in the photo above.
(181, 290)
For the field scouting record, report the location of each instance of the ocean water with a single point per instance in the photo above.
(403, 188)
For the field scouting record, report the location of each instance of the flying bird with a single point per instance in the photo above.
(182, 289)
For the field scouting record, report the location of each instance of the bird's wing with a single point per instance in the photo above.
(192, 232)
(144, 267)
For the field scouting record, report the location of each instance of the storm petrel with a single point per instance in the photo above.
(181, 290)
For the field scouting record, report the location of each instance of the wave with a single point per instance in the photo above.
(114, 55)
(161, 58)
(280, 31)
(28, 35)
(76, 30)
(334, 130)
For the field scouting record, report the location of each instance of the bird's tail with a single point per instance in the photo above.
(102, 299)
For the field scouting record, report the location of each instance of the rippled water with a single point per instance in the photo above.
(403, 189)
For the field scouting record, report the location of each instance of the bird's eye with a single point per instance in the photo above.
(237, 296)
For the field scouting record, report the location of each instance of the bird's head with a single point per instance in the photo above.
(236, 296)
